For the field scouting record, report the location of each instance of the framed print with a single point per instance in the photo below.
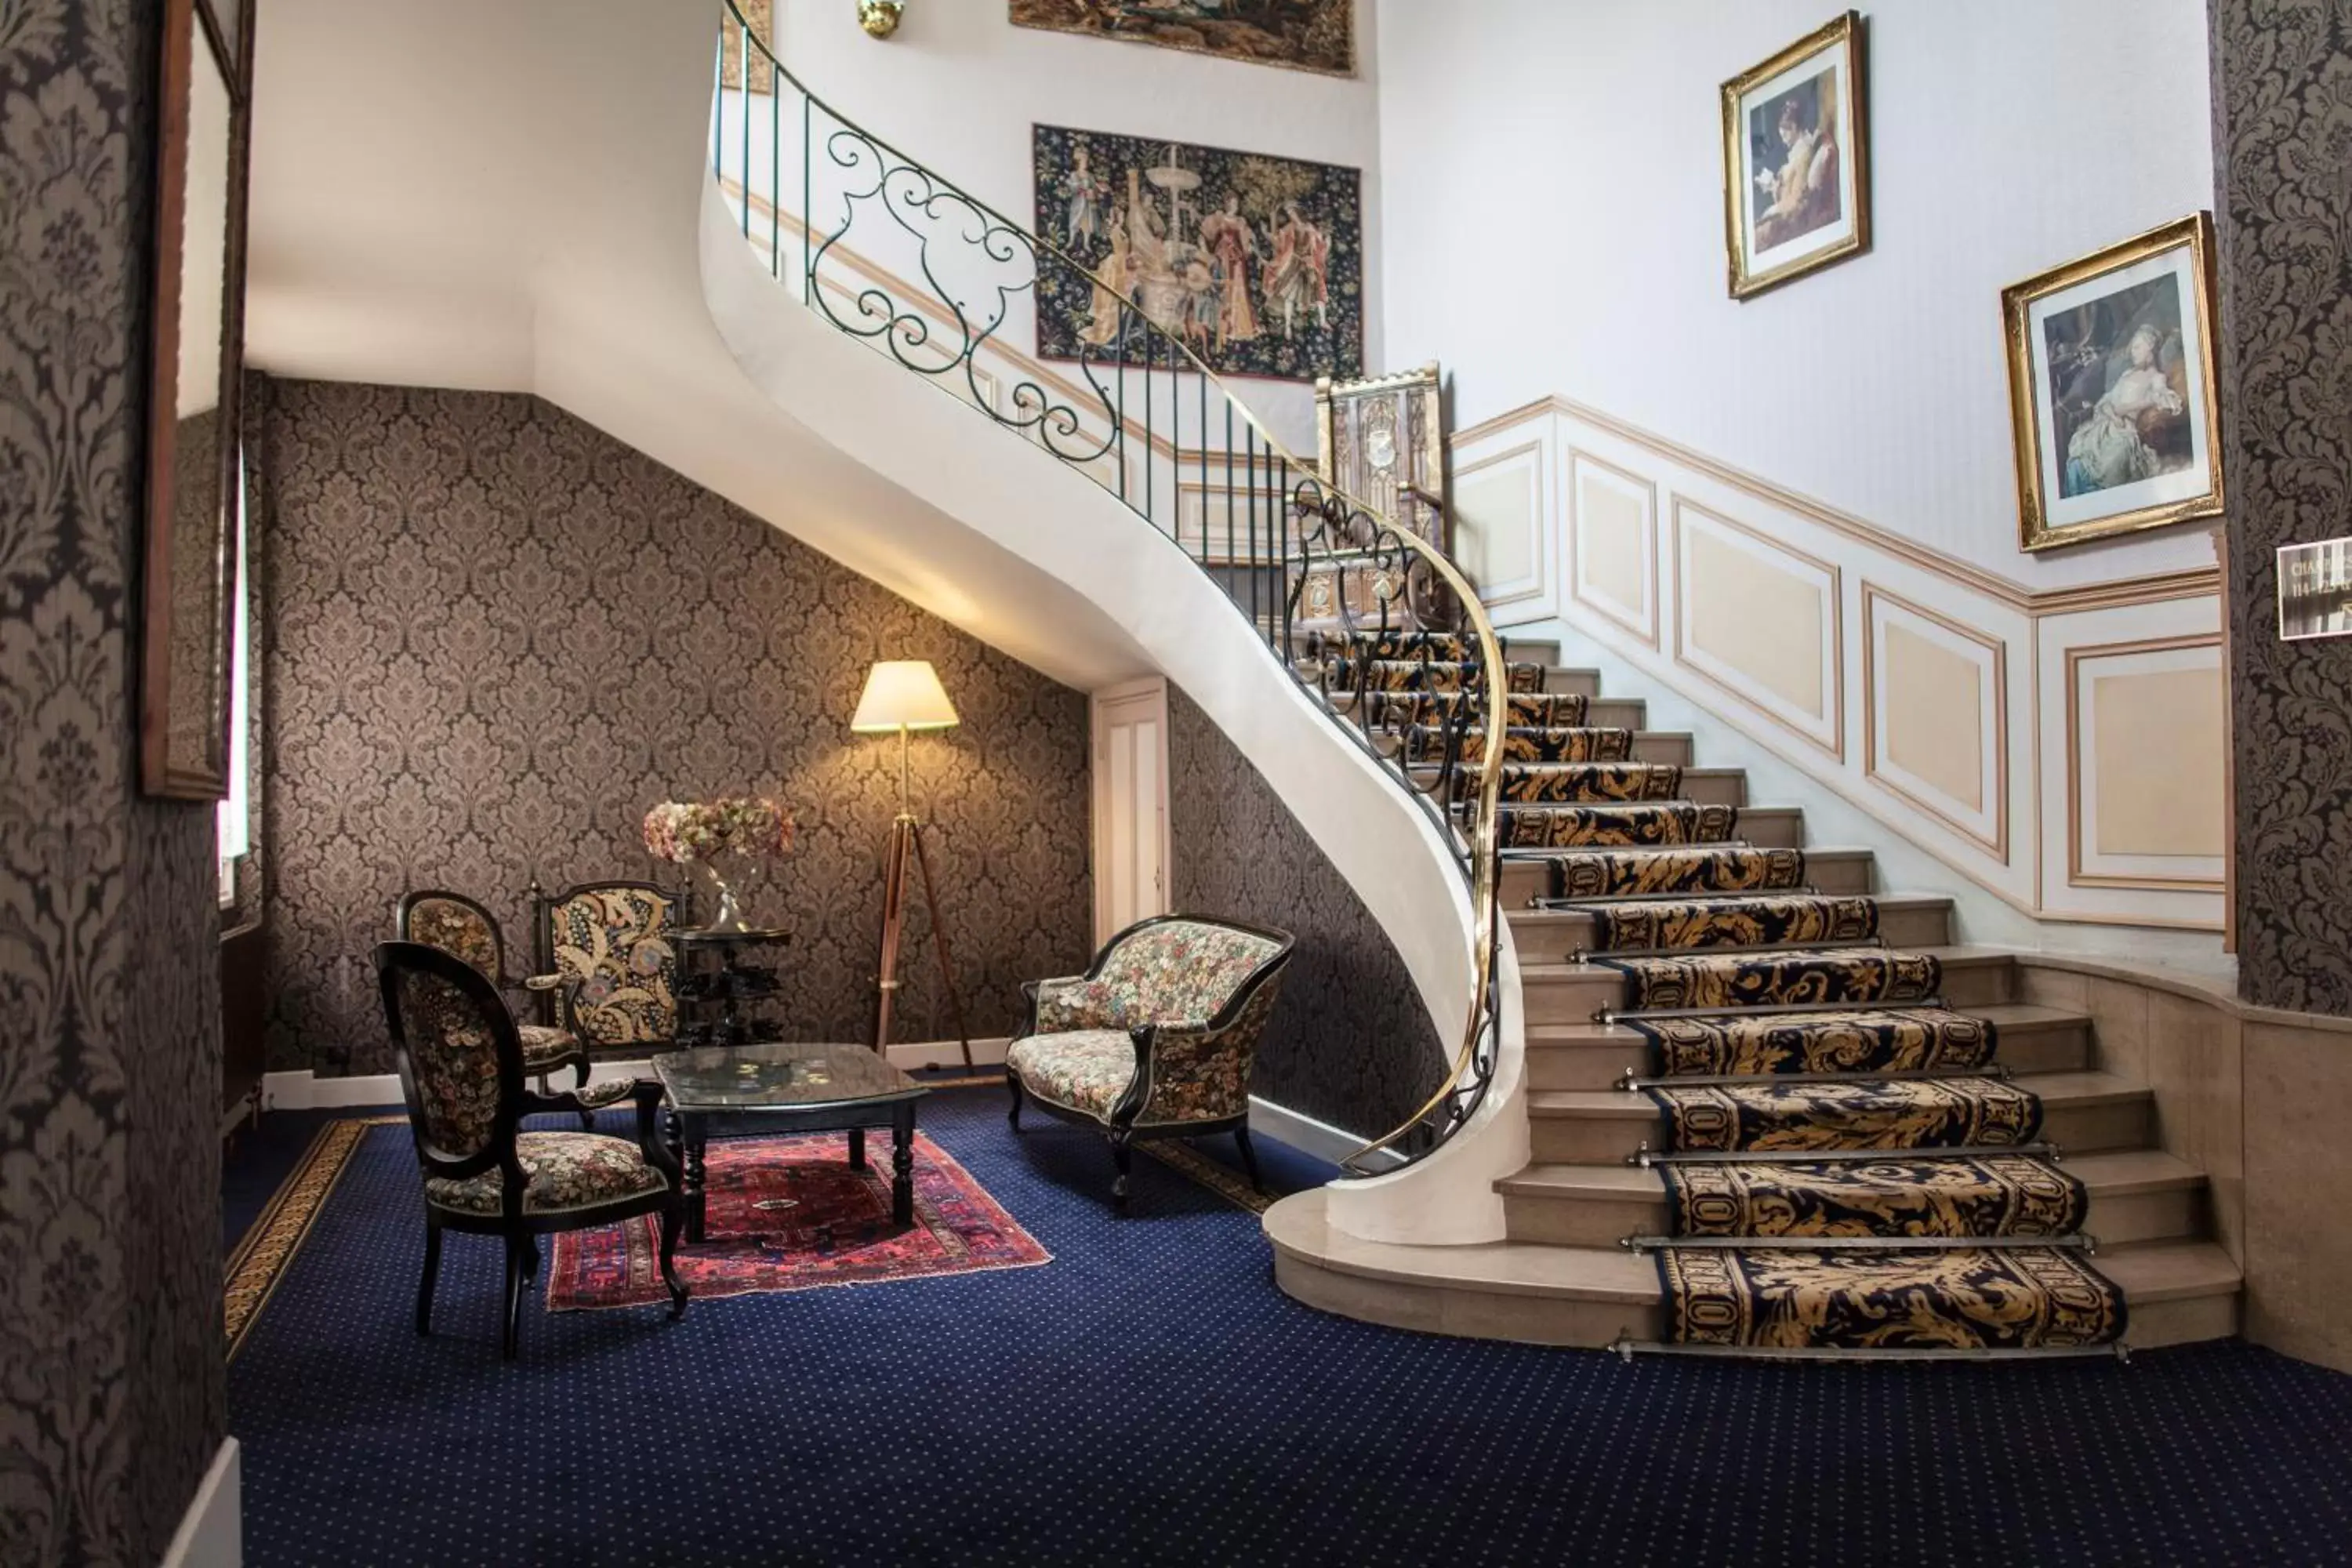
(1256, 262)
(1304, 35)
(1796, 160)
(194, 381)
(2111, 385)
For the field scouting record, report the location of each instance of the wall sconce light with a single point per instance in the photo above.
(881, 17)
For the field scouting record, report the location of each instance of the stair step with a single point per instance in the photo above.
(2136, 1195)
(1832, 870)
(1904, 920)
(2083, 1112)
(1581, 682)
(2175, 1291)
(1701, 786)
(1588, 1056)
(1559, 993)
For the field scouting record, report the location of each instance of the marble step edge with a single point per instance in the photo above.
(1958, 959)
(2076, 1089)
(2030, 1038)
(1540, 925)
(2175, 1291)
(2116, 1173)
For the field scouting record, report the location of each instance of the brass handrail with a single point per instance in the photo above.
(1484, 849)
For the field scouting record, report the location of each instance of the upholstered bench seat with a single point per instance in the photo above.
(1082, 1069)
(563, 1171)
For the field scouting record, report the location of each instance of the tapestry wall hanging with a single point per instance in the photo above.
(1304, 34)
(1255, 262)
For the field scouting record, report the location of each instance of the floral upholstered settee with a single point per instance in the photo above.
(1155, 1039)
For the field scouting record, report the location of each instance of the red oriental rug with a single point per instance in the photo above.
(788, 1214)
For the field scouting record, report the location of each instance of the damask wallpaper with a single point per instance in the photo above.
(495, 636)
(111, 1375)
(2283, 102)
(1350, 1044)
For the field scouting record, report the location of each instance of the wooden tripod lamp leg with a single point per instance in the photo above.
(940, 941)
(894, 911)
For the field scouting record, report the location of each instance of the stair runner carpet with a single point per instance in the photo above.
(1802, 1036)
(1941, 1173)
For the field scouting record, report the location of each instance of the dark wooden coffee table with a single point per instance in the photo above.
(733, 1090)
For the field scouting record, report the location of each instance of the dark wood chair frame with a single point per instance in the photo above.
(520, 1230)
(1122, 1129)
(560, 997)
(539, 984)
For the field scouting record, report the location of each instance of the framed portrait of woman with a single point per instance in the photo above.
(1796, 160)
(2111, 380)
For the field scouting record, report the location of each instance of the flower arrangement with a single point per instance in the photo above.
(690, 832)
(684, 831)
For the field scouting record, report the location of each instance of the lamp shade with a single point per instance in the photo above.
(903, 694)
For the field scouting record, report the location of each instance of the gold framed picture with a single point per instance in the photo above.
(1796, 159)
(2116, 423)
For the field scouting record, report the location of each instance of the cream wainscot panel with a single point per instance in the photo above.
(1927, 692)
(1504, 533)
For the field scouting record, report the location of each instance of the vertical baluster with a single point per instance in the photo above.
(719, 102)
(743, 30)
(1282, 534)
(1201, 433)
(1233, 586)
(1150, 354)
(1121, 400)
(776, 169)
(808, 212)
(1256, 567)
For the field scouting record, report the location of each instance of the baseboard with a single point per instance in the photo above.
(907, 1055)
(307, 1090)
(1308, 1136)
(212, 1533)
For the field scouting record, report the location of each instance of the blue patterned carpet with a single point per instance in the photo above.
(1148, 1398)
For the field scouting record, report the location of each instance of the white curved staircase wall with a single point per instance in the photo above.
(1035, 505)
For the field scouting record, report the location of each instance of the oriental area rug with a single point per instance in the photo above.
(789, 1214)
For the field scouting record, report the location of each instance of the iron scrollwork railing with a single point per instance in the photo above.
(934, 286)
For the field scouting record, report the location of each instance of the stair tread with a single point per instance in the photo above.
(2155, 1271)
(1951, 958)
(1617, 1105)
(2012, 1017)
(2119, 1174)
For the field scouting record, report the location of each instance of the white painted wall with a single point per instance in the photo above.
(1552, 174)
(959, 87)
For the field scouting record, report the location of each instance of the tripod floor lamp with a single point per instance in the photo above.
(904, 695)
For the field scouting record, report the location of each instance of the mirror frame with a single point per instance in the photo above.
(190, 25)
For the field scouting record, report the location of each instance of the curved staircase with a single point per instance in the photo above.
(1769, 1110)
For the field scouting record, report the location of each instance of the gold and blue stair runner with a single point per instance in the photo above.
(1846, 1169)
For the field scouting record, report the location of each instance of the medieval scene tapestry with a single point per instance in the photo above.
(1304, 34)
(1257, 263)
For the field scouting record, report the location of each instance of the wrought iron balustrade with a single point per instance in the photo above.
(934, 279)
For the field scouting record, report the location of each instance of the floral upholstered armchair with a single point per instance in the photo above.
(464, 929)
(1155, 1039)
(461, 1070)
(610, 945)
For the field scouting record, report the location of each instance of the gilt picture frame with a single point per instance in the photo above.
(1317, 35)
(203, 77)
(1796, 159)
(2113, 391)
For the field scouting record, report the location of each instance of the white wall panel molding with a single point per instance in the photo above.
(1613, 543)
(1799, 627)
(1505, 528)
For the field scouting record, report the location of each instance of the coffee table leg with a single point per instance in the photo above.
(857, 1147)
(902, 1163)
(695, 1141)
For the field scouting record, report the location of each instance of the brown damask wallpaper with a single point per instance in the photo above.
(1350, 1044)
(496, 636)
(110, 1376)
(2282, 99)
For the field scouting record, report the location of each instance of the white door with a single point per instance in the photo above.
(1130, 805)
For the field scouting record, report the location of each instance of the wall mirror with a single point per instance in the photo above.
(193, 447)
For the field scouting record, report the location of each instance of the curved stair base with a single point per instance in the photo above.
(1590, 1298)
